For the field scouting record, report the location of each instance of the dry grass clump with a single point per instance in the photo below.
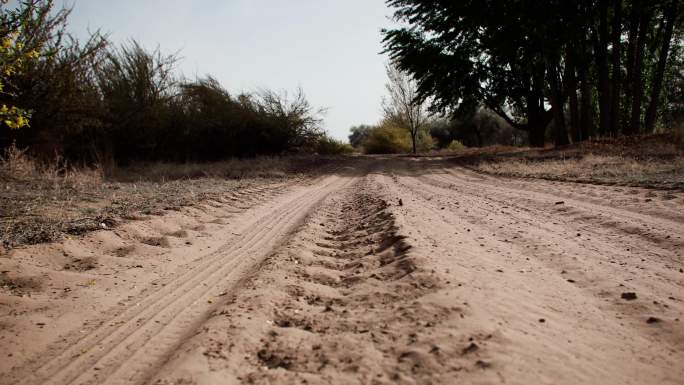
(17, 166)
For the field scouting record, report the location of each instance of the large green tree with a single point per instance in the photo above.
(468, 53)
(604, 61)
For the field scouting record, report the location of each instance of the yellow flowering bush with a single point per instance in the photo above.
(13, 56)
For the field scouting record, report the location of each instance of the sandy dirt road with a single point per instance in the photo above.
(387, 271)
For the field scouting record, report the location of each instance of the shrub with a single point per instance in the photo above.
(424, 141)
(359, 134)
(455, 145)
(477, 129)
(387, 139)
(93, 103)
(331, 146)
(16, 165)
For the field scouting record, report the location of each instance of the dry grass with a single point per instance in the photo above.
(40, 203)
(594, 168)
(263, 167)
(16, 166)
(648, 161)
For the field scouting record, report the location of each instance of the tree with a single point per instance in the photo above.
(470, 52)
(404, 106)
(669, 21)
(301, 122)
(617, 68)
(638, 72)
(359, 134)
(520, 57)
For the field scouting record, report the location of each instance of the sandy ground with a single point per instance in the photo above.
(394, 271)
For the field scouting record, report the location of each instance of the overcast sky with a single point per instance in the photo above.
(331, 48)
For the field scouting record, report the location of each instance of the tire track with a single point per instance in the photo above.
(534, 244)
(346, 301)
(661, 235)
(175, 308)
(591, 201)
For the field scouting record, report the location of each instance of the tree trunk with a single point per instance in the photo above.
(635, 11)
(586, 113)
(670, 16)
(615, 83)
(535, 105)
(600, 38)
(414, 134)
(571, 90)
(637, 81)
(478, 135)
(557, 102)
(536, 131)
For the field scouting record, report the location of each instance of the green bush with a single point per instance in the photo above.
(330, 146)
(359, 134)
(387, 139)
(455, 145)
(424, 141)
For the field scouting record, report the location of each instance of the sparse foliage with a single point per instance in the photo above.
(403, 106)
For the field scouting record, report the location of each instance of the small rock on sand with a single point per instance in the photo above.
(470, 348)
(629, 296)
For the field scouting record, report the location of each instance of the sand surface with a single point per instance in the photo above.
(386, 271)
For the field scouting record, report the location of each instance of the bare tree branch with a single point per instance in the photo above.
(403, 104)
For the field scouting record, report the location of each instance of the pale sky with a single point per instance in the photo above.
(331, 48)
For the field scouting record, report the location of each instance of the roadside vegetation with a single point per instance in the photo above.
(528, 74)
(655, 161)
(92, 133)
(42, 202)
(409, 126)
(95, 103)
(566, 71)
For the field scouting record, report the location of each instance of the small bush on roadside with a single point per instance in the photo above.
(359, 134)
(331, 146)
(455, 145)
(424, 141)
(387, 139)
(16, 165)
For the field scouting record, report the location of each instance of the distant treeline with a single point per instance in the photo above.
(93, 102)
(409, 125)
(564, 70)
(484, 128)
